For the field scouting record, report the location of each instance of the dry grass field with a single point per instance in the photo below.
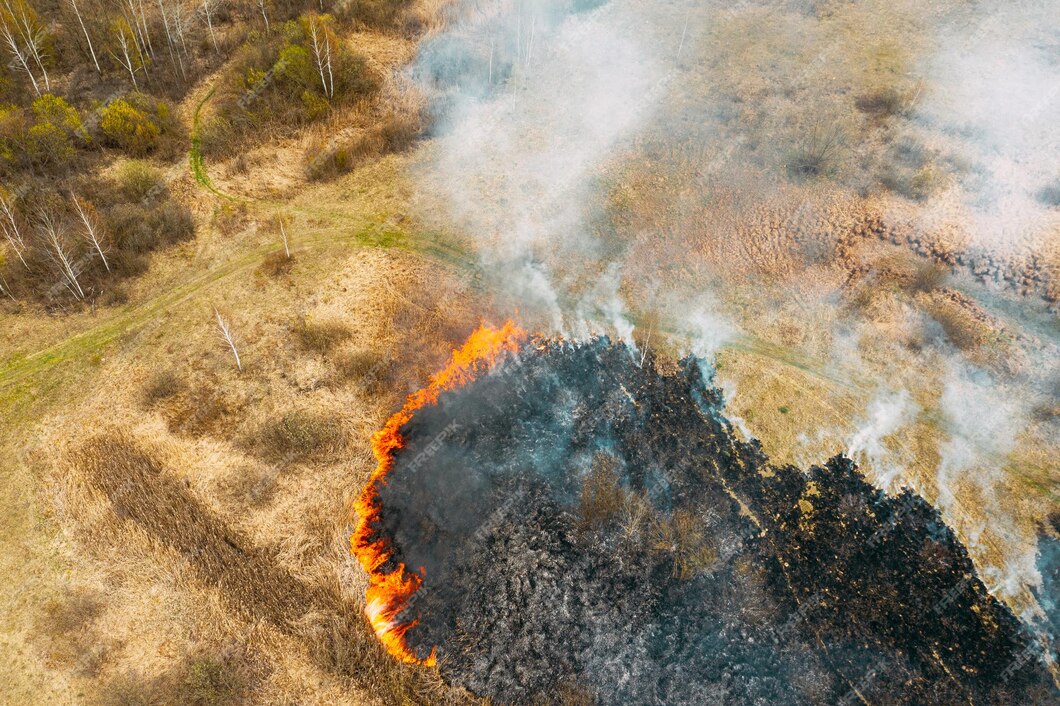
(176, 529)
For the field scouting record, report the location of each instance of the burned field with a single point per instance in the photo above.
(558, 521)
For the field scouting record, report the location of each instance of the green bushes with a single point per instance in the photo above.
(128, 128)
(138, 124)
(288, 79)
(43, 137)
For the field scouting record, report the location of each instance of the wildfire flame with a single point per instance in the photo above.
(388, 593)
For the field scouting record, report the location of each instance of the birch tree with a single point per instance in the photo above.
(208, 8)
(322, 41)
(264, 14)
(53, 235)
(174, 51)
(283, 234)
(22, 27)
(88, 38)
(226, 334)
(12, 233)
(180, 20)
(133, 12)
(93, 233)
(127, 55)
(12, 40)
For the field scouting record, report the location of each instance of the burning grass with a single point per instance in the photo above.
(392, 585)
(576, 517)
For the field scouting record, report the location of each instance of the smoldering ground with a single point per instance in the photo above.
(588, 525)
(615, 162)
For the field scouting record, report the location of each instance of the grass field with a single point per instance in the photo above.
(175, 526)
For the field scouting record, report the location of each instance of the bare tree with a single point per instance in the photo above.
(12, 40)
(93, 233)
(208, 8)
(5, 289)
(226, 334)
(126, 39)
(321, 38)
(141, 27)
(261, 8)
(53, 233)
(88, 38)
(174, 52)
(180, 20)
(12, 232)
(283, 234)
(21, 26)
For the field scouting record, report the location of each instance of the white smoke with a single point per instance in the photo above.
(980, 423)
(888, 412)
(994, 86)
(516, 164)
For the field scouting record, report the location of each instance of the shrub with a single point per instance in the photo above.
(56, 111)
(297, 435)
(128, 689)
(162, 385)
(198, 411)
(929, 277)
(815, 154)
(114, 296)
(208, 680)
(373, 13)
(50, 140)
(272, 83)
(139, 229)
(321, 336)
(684, 538)
(253, 487)
(138, 180)
(962, 330)
(602, 497)
(881, 102)
(359, 365)
(1050, 195)
(277, 264)
(128, 127)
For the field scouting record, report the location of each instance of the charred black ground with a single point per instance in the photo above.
(591, 529)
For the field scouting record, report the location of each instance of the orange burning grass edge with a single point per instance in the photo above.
(388, 593)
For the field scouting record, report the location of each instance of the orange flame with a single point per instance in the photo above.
(388, 593)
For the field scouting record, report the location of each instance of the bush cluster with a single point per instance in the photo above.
(284, 80)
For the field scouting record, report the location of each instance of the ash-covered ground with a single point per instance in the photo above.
(591, 531)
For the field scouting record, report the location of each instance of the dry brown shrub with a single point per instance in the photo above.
(881, 102)
(321, 336)
(928, 277)
(276, 264)
(65, 629)
(961, 328)
(298, 435)
(683, 537)
(197, 411)
(161, 385)
(602, 497)
(253, 487)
